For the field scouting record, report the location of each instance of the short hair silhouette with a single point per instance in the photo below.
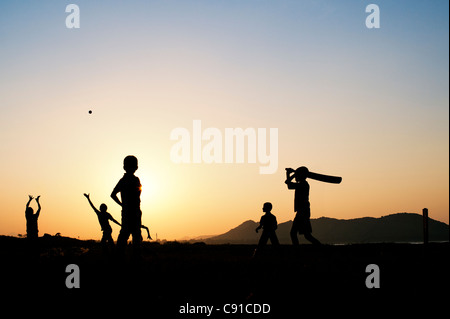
(301, 173)
(29, 211)
(130, 164)
(267, 207)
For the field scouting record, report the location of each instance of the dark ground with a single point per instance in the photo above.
(325, 280)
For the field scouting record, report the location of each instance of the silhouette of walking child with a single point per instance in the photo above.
(302, 223)
(129, 187)
(269, 225)
(103, 218)
(32, 219)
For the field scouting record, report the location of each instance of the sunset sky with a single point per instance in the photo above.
(370, 105)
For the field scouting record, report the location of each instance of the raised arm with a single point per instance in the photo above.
(92, 205)
(29, 200)
(39, 206)
(28, 204)
(289, 177)
(113, 220)
(290, 174)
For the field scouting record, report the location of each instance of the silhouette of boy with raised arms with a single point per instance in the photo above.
(129, 188)
(302, 223)
(269, 224)
(32, 219)
(103, 218)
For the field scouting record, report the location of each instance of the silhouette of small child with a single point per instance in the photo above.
(32, 219)
(103, 218)
(269, 225)
(301, 223)
(129, 187)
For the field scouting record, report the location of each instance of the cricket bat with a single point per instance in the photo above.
(325, 178)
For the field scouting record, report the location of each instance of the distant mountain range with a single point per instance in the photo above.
(400, 227)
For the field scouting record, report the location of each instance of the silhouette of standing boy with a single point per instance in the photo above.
(129, 188)
(103, 218)
(32, 219)
(302, 223)
(269, 224)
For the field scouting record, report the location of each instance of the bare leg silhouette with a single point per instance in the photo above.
(313, 240)
(294, 237)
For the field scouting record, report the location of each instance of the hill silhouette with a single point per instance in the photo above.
(395, 228)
